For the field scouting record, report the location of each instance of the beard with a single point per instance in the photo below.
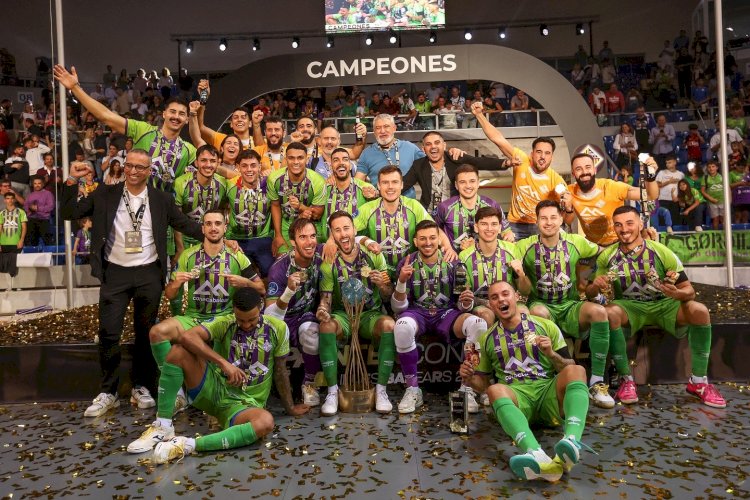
(586, 185)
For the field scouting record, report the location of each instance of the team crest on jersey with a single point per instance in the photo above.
(209, 290)
(645, 293)
(528, 366)
(243, 218)
(389, 245)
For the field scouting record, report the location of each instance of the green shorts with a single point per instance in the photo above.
(537, 399)
(219, 399)
(565, 315)
(187, 322)
(366, 323)
(659, 313)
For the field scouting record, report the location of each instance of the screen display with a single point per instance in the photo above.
(354, 16)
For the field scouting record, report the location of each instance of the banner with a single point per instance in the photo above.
(697, 249)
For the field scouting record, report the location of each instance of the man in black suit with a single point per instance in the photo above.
(129, 257)
(436, 173)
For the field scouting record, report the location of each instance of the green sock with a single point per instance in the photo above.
(575, 406)
(175, 304)
(514, 423)
(235, 436)
(160, 351)
(386, 356)
(619, 351)
(699, 339)
(599, 346)
(329, 361)
(170, 381)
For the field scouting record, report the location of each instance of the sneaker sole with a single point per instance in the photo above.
(567, 454)
(141, 406)
(327, 414)
(603, 404)
(628, 401)
(525, 468)
(707, 403)
(104, 410)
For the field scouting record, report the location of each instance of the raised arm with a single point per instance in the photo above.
(69, 79)
(490, 131)
(194, 124)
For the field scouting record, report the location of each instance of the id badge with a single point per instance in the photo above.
(133, 242)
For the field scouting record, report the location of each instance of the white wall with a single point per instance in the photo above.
(135, 33)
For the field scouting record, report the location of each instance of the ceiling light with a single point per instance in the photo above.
(393, 38)
(189, 47)
(368, 40)
(467, 35)
(501, 33)
(433, 37)
(223, 44)
(256, 44)
(579, 29)
(295, 42)
(543, 30)
(329, 42)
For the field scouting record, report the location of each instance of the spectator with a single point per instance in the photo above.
(625, 146)
(362, 106)
(519, 103)
(597, 101)
(14, 224)
(123, 81)
(609, 73)
(699, 95)
(661, 137)
(736, 119)
(375, 104)
(739, 181)
(16, 170)
(691, 204)
(109, 78)
(89, 150)
(165, 83)
(38, 207)
(6, 187)
(682, 41)
(185, 83)
(715, 142)
(388, 106)
(34, 152)
(292, 111)
(122, 103)
(115, 172)
(667, 180)
(581, 56)
(82, 242)
(139, 108)
(140, 82)
(87, 185)
(684, 67)
(606, 52)
(110, 94)
(4, 140)
(494, 110)
(50, 174)
(665, 87)
(666, 56)
(577, 75)
(713, 192)
(6, 114)
(633, 100)
(737, 155)
(615, 100)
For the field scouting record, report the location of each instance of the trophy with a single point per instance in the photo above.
(365, 272)
(356, 394)
(612, 275)
(653, 278)
(195, 272)
(459, 409)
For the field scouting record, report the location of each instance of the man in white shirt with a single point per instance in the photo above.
(667, 180)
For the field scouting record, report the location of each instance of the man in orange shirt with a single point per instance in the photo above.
(249, 132)
(594, 200)
(533, 179)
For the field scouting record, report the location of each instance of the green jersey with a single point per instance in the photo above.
(484, 270)
(169, 159)
(333, 275)
(310, 191)
(249, 211)
(552, 271)
(195, 200)
(714, 185)
(210, 294)
(634, 273)
(511, 355)
(394, 232)
(348, 200)
(12, 222)
(253, 352)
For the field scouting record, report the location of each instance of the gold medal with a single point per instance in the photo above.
(302, 276)
(365, 271)
(195, 272)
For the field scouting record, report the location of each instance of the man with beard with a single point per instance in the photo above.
(436, 172)
(293, 284)
(239, 122)
(387, 150)
(352, 262)
(329, 140)
(230, 380)
(212, 274)
(390, 221)
(550, 260)
(651, 288)
(294, 191)
(538, 382)
(249, 211)
(169, 153)
(346, 193)
(491, 260)
(426, 301)
(198, 192)
(455, 216)
(273, 150)
(594, 200)
(534, 179)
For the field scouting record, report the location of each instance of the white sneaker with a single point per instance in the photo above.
(140, 397)
(310, 395)
(484, 399)
(471, 399)
(411, 401)
(599, 394)
(698, 229)
(180, 402)
(330, 405)
(175, 448)
(101, 405)
(152, 436)
(670, 230)
(382, 403)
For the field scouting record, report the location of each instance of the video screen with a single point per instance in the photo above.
(355, 16)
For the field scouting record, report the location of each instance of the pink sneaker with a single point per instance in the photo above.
(628, 392)
(707, 393)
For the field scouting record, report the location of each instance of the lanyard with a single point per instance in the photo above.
(431, 285)
(488, 278)
(299, 190)
(393, 223)
(169, 159)
(246, 201)
(203, 261)
(342, 200)
(206, 201)
(136, 218)
(387, 156)
(270, 157)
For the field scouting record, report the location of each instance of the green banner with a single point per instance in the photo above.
(707, 247)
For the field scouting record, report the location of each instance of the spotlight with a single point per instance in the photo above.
(579, 29)
(189, 47)
(256, 44)
(368, 40)
(501, 33)
(329, 42)
(433, 37)
(393, 38)
(467, 35)
(295, 42)
(223, 44)
(543, 30)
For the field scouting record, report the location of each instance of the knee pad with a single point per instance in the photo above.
(308, 337)
(405, 334)
(472, 327)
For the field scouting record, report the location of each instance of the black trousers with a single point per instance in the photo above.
(143, 284)
(8, 259)
(37, 229)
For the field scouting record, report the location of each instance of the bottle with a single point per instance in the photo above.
(203, 97)
(459, 279)
(360, 136)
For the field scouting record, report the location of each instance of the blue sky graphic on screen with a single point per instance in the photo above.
(352, 16)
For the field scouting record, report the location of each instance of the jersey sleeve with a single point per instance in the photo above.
(179, 189)
(277, 280)
(586, 249)
(420, 213)
(22, 216)
(552, 331)
(319, 188)
(618, 190)
(281, 336)
(182, 262)
(218, 139)
(485, 363)
(134, 129)
(522, 247)
(326, 277)
(217, 326)
(602, 262)
(365, 211)
(378, 261)
(668, 258)
(272, 190)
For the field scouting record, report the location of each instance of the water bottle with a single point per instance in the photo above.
(203, 97)
(360, 136)
(459, 279)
